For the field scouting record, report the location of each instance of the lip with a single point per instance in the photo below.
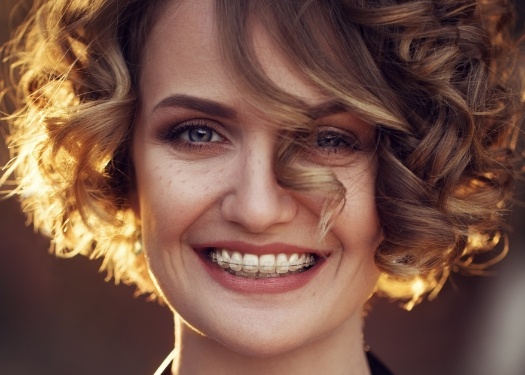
(272, 285)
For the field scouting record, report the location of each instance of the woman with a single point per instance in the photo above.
(264, 167)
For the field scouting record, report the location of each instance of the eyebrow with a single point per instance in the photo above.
(213, 108)
(209, 107)
(328, 108)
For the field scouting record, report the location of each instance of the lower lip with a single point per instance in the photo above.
(272, 285)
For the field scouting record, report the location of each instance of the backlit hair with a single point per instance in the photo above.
(436, 78)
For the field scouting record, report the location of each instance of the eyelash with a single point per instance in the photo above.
(350, 142)
(174, 134)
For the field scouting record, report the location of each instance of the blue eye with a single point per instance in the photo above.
(336, 140)
(193, 132)
(199, 134)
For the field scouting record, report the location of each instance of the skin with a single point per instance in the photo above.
(202, 192)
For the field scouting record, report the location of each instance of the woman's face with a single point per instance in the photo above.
(204, 160)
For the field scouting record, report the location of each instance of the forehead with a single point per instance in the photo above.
(182, 56)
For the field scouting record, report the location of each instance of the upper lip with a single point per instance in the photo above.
(249, 248)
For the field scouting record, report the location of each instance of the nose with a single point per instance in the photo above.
(256, 201)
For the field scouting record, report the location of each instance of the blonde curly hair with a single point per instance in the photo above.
(437, 78)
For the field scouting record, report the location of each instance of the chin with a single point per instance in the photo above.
(267, 340)
(262, 346)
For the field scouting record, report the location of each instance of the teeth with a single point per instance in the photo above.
(281, 263)
(267, 265)
(236, 261)
(223, 260)
(250, 263)
(293, 260)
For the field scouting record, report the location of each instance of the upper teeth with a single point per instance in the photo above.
(267, 263)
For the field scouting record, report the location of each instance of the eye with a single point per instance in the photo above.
(199, 134)
(335, 140)
(193, 133)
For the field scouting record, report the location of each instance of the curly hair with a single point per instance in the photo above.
(438, 79)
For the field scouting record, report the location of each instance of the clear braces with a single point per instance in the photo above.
(305, 265)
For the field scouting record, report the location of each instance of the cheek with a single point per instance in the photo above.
(173, 194)
(165, 195)
(358, 223)
(361, 218)
(360, 185)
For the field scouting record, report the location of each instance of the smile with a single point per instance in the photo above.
(263, 266)
(248, 268)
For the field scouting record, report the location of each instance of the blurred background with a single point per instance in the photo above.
(59, 316)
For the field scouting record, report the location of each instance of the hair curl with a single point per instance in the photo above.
(437, 78)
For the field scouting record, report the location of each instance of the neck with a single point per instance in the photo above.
(339, 353)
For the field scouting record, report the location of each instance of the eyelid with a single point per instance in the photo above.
(339, 155)
(167, 133)
(335, 128)
(345, 133)
(172, 135)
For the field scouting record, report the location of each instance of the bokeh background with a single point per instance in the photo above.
(59, 316)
